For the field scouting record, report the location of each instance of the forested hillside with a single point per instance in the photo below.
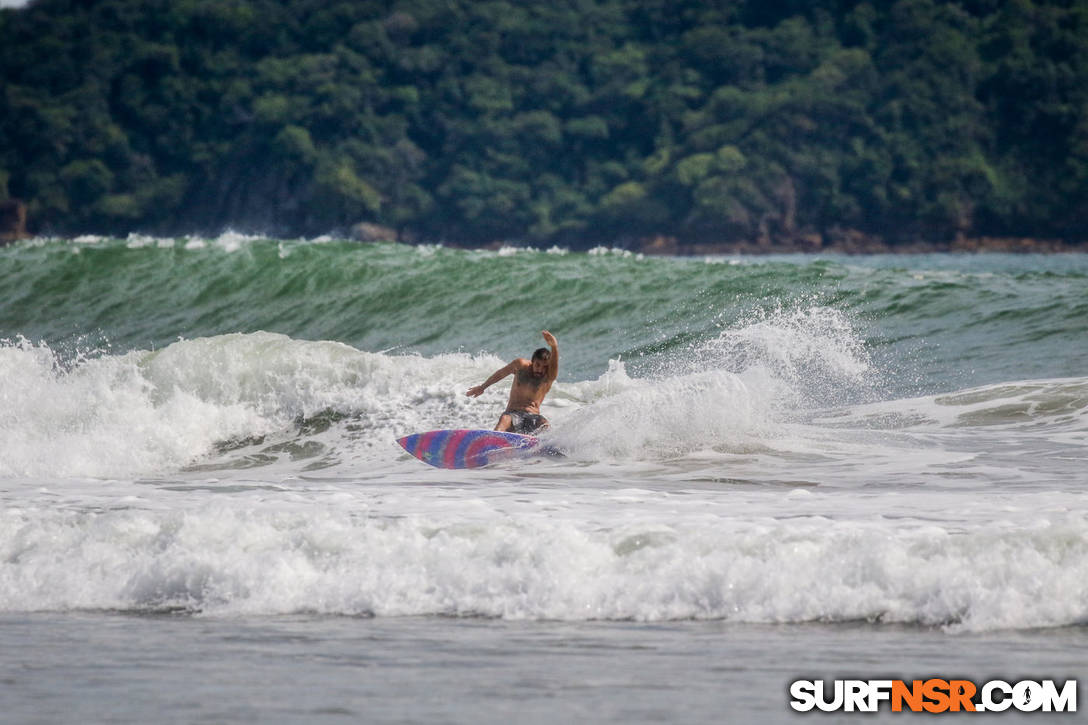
(574, 121)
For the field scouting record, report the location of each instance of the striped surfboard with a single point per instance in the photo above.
(466, 448)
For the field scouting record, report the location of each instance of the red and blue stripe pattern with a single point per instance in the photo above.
(464, 448)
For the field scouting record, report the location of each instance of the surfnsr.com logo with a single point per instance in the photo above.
(933, 695)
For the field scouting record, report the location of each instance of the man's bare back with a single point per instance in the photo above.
(532, 381)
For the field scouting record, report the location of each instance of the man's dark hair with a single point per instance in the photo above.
(542, 353)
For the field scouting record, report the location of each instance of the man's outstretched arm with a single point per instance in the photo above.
(495, 377)
(553, 363)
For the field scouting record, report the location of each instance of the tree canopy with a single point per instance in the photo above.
(574, 121)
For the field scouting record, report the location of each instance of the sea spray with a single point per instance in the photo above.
(816, 349)
(666, 417)
(727, 391)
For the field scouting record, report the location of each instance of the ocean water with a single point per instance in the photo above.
(776, 468)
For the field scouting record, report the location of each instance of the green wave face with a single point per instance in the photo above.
(932, 323)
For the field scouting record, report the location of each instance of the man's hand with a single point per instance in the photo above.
(549, 338)
(475, 392)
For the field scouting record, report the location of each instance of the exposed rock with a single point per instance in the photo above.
(12, 221)
(809, 242)
(852, 241)
(660, 245)
(367, 232)
(1009, 244)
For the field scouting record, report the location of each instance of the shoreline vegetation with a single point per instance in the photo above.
(851, 242)
(664, 126)
(13, 228)
(848, 241)
(854, 242)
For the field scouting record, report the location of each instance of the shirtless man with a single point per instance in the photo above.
(532, 381)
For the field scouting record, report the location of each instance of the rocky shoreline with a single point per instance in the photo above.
(840, 241)
(13, 227)
(860, 243)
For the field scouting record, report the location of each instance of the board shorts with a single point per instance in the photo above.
(525, 423)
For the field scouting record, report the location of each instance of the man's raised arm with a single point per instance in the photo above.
(495, 377)
(553, 363)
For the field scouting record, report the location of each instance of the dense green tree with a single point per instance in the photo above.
(576, 121)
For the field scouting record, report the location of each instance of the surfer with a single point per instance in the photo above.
(532, 381)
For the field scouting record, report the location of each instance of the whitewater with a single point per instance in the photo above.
(774, 468)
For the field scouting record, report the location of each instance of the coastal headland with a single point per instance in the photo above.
(681, 127)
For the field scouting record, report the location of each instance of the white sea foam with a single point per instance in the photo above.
(651, 564)
(729, 392)
(139, 241)
(148, 413)
(428, 250)
(144, 413)
(614, 251)
(231, 241)
(669, 416)
(100, 417)
(185, 478)
(509, 251)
